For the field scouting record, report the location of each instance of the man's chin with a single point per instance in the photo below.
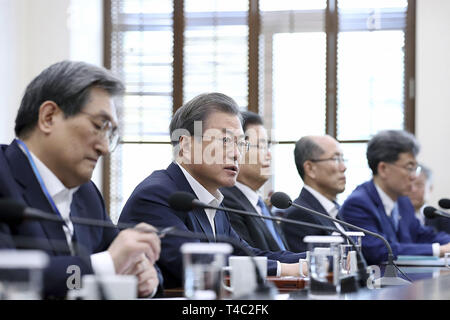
(229, 182)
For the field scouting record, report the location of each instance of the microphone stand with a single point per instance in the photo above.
(390, 277)
(362, 265)
(264, 290)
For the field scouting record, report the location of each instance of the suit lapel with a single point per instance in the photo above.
(249, 207)
(315, 205)
(381, 215)
(183, 185)
(33, 195)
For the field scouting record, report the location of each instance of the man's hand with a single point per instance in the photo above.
(147, 276)
(444, 249)
(127, 249)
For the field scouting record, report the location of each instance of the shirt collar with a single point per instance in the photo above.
(251, 195)
(328, 205)
(388, 203)
(202, 194)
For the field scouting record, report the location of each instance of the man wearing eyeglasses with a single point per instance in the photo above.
(66, 122)
(208, 143)
(320, 164)
(382, 206)
(254, 171)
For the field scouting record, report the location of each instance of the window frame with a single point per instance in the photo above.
(256, 91)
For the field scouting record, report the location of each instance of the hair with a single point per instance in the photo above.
(198, 109)
(306, 149)
(68, 84)
(387, 145)
(250, 118)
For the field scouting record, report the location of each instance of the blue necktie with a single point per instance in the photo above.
(395, 217)
(269, 223)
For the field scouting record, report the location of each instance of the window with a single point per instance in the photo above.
(345, 68)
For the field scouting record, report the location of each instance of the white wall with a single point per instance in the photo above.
(37, 33)
(433, 93)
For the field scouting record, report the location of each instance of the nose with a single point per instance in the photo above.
(268, 154)
(102, 146)
(343, 166)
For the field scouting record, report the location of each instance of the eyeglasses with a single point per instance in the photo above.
(413, 170)
(336, 159)
(104, 129)
(227, 142)
(263, 146)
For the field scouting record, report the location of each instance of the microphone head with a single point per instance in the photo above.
(11, 212)
(429, 212)
(281, 200)
(181, 201)
(444, 203)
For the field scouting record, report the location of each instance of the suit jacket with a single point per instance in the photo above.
(253, 230)
(365, 209)
(295, 233)
(439, 224)
(148, 203)
(17, 181)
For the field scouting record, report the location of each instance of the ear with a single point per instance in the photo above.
(309, 169)
(382, 169)
(184, 143)
(48, 112)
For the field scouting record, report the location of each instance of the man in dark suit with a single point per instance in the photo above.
(381, 205)
(66, 122)
(254, 171)
(208, 142)
(320, 164)
(422, 186)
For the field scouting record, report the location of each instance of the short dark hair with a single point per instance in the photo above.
(387, 145)
(306, 149)
(198, 109)
(68, 84)
(250, 118)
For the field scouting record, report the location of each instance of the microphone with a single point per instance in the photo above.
(13, 212)
(444, 203)
(263, 290)
(431, 212)
(185, 201)
(283, 201)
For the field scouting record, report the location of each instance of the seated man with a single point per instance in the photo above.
(254, 171)
(421, 189)
(208, 143)
(65, 123)
(381, 205)
(321, 166)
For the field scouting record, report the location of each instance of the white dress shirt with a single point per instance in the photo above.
(389, 204)
(102, 262)
(204, 196)
(329, 206)
(251, 195)
(253, 198)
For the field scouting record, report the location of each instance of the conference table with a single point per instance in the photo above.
(428, 283)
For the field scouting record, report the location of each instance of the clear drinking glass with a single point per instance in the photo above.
(203, 263)
(324, 266)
